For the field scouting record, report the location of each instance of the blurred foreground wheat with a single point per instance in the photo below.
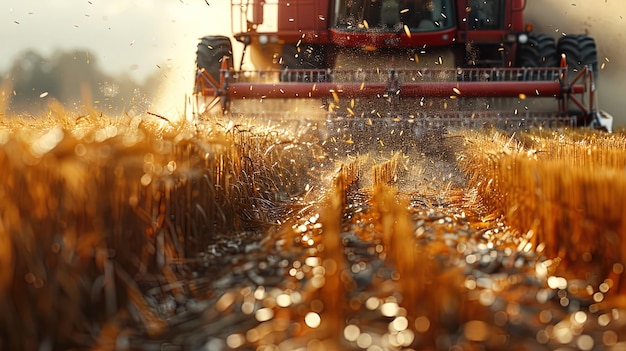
(91, 207)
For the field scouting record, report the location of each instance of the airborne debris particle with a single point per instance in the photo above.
(312, 320)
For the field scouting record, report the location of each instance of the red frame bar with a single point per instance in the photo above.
(228, 88)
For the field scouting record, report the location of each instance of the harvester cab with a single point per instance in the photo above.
(423, 61)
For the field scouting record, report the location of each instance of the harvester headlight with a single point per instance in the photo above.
(263, 39)
(522, 38)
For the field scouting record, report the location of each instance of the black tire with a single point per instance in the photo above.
(539, 51)
(302, 57)
(210, 54)
(580, 51)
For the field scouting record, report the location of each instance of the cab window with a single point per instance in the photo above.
(393, 15)
(486, 14)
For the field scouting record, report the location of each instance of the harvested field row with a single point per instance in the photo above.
(565, 192)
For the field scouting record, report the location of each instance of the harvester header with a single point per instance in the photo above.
(416, 56)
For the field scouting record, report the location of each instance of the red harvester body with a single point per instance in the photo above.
(438, 53)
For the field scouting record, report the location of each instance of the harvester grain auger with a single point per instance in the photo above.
(417, 62)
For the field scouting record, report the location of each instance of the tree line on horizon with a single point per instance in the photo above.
(75, 80)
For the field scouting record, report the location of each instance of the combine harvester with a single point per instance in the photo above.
(421, 62)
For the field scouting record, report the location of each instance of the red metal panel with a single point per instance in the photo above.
(257, 12)
(322, 18)
(517, 15)
(297, 15)
(391, 40)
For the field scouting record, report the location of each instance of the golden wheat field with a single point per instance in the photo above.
(138, 233)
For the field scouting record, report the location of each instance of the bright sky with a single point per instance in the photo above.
(132, 36)
(125, 35)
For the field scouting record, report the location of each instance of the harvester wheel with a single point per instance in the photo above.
(209, 56)
(539, 51)
(580, 51)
